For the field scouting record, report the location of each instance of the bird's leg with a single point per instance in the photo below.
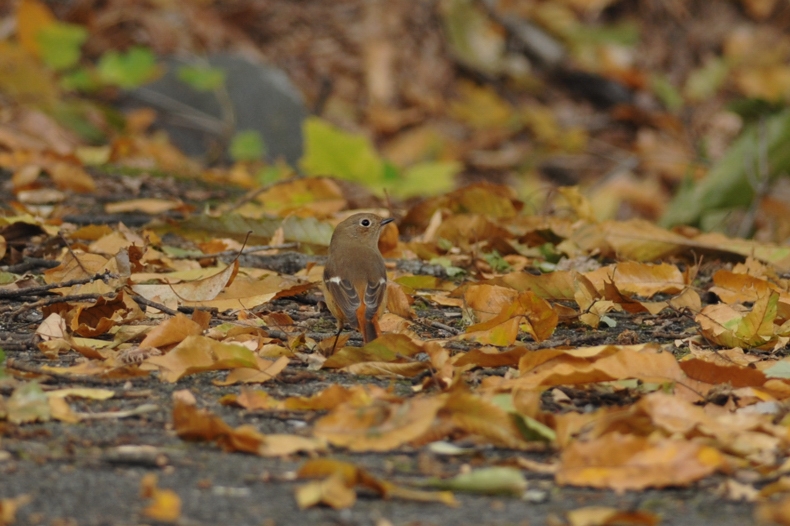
(334, 344)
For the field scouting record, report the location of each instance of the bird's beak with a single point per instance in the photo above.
(386, 220)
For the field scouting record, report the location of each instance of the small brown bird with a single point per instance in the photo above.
(355, 278)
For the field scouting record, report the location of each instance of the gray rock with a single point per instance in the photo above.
(262, 97)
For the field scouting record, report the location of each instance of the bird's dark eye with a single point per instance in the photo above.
(365, 222)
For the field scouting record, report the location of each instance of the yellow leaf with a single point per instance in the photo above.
(31, 17)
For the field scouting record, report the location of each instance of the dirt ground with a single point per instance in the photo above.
(76, 474)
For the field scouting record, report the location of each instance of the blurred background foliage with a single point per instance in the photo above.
(670, 111)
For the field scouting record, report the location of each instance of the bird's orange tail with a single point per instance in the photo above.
(368, 327)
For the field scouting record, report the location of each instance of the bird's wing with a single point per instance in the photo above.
(367, 315)
(375, 292)
(344, 296)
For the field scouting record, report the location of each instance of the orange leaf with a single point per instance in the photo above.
(379, 426)
(626, 462)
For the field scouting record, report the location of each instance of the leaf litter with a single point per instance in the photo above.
(629, 355)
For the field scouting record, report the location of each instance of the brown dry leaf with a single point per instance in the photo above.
(486, 301)
(479, 417)
(759, 9)
(344, 474)
(777, 255)
(27, 403)
(641, 240)
(106, 369)
(730, 326)
(91, 320)
(193, 424)
(331, 491)
(386, 348)
(751, 436)
(148, 206)
(380, 425)
(642, 279)
(533, 314)
(52, 328)
(171, 331)
(247, 293)
(196, 293)
(264, 371)
(31, 17)
(578, 203)
(327, 399)
(252, 399)
(734, 287)
(686, 301)
(278, 445)
(166, 505)
(197, 354)
(558, 285)
(334, 395)
(490, 357)
(398, 302)
(60, 410)
(481, 107)
(774, 512)
(604, 363)
(9, 507)
(714, 374)
(606, 516)
(462, 230)
(77, 265)
(387, 369)
(68, 176)
(627, 462)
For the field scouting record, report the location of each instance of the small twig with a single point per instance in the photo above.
(51, 301)
(441, 326)
(33, 291)
(248, 250)
(105, 415)
(187, 114)
(14, 364)
(148, 303)
(30, 264)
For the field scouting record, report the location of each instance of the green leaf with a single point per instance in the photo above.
(489, 481)
(247, 145)
(533, 430)
(28, 403)
(75, 115)
(624, 34)
(727, 184)
(666, 92)
(202, 78)
(80, 79)
(60, 44)
(427, 178)
(332, 151)
(497, 262)
(706, 81)
(780, 370)
(448, 266)
(269, 175)
(128, 70)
